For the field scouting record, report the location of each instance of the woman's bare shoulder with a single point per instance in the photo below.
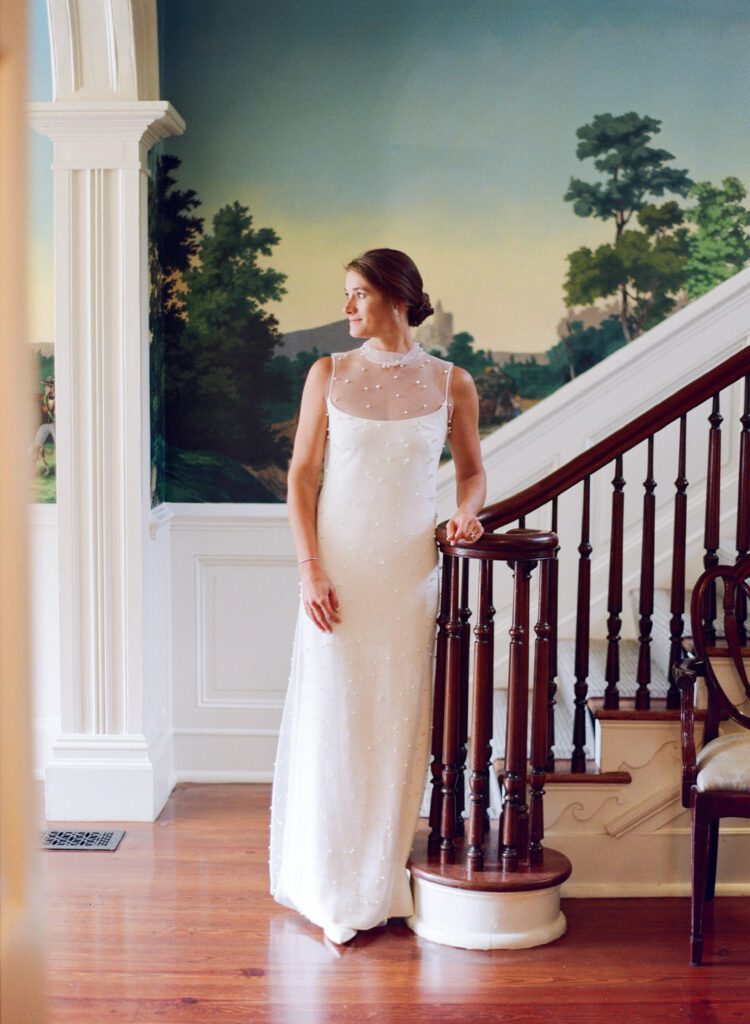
(462, 380)
(318, 374)
(463, 387)
(321, 366)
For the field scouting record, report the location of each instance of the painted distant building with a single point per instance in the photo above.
(436, 331)
(501, 358)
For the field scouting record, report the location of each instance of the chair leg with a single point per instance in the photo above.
(713, 852)
(700, 837)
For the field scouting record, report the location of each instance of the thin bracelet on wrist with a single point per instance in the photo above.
(312, 558)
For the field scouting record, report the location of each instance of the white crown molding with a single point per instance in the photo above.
(234, 516)
(160, 519)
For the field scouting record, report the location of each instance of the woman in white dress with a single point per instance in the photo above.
(354, 740)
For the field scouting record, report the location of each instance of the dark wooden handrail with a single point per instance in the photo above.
(644, 426)
(510, 546)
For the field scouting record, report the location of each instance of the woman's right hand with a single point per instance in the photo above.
(319, 596)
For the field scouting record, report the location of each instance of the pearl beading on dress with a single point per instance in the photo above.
(376, 384)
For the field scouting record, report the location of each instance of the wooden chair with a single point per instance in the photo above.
(716, 782)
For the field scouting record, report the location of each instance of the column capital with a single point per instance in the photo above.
(105, 133)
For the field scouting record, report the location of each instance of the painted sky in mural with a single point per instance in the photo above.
(447, 130)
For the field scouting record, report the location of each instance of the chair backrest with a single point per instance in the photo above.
(727, 658)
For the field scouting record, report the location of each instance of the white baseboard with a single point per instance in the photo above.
(210, 777)
(224, 754)
(108, 778)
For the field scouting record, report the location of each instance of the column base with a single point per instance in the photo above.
(108, 778)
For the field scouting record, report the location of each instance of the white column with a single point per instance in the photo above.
(113, 759)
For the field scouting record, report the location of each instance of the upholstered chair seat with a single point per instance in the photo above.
(724, 763)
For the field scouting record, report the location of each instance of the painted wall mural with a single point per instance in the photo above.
(564, 177)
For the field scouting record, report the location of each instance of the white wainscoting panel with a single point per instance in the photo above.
(235, 594)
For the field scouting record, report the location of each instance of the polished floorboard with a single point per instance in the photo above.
(177, 926)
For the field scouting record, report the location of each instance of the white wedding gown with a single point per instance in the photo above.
(353, 747)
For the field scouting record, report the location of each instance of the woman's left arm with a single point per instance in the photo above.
(471, 480)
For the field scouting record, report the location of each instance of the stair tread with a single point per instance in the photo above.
(563, 774)
(627, 712)
(564, 701)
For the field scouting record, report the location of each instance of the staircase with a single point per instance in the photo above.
(589, 722)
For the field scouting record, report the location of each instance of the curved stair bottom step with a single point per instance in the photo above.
(490, 909)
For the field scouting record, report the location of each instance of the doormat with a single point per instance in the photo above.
(82, 840)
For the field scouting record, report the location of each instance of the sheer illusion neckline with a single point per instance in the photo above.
(375, 419)
(395, 359)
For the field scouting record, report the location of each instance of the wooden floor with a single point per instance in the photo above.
(177, 926)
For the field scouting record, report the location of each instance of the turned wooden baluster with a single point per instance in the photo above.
(464, 614)
(438, 704)
(490, 690)
(614, 596)
(543, 632)
(552, 686)
(578, 759)
(448, 822)
(481, 723)
(677, 594)
(646, 595)
(489, 708)
(743, 509)
(711, 532)
(515, 811)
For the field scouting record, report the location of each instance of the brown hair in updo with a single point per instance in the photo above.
(396, 275)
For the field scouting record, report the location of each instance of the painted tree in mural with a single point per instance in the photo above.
(461, 352)
(495, 392)
(720, 244)
(645, 268)
(213, 374)
(224, 378)
(174, 234)
(583, 347)
(294, 373)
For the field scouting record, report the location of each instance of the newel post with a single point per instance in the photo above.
(483, 887)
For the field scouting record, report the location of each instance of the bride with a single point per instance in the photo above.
(354, 737)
